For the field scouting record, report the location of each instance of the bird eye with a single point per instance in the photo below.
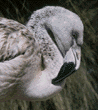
(75, 34)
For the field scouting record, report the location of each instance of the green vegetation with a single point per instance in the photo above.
(81, 89)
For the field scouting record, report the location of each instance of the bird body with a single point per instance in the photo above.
(16, 46)
(35, 59)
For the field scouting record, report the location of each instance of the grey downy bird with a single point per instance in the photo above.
(37, 58)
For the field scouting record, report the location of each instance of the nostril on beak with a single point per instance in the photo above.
(66, 70)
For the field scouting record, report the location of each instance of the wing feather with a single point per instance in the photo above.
(15, 39)
(16, 45)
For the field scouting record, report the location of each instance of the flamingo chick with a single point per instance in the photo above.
(36, 59)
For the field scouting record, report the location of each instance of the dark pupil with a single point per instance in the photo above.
(75, 35)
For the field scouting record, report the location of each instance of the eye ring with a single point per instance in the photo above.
(75, 34)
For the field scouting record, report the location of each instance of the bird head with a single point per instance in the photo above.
(63, 30)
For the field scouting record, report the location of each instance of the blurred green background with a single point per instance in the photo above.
(81, 88)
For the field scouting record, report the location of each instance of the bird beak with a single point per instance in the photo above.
(71, 64)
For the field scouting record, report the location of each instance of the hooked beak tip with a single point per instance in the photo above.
(66, 70)
(72, 63)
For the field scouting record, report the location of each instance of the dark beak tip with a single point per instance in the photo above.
(55, 81)
(66, 70)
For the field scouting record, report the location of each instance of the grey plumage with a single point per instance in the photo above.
(31, 56)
